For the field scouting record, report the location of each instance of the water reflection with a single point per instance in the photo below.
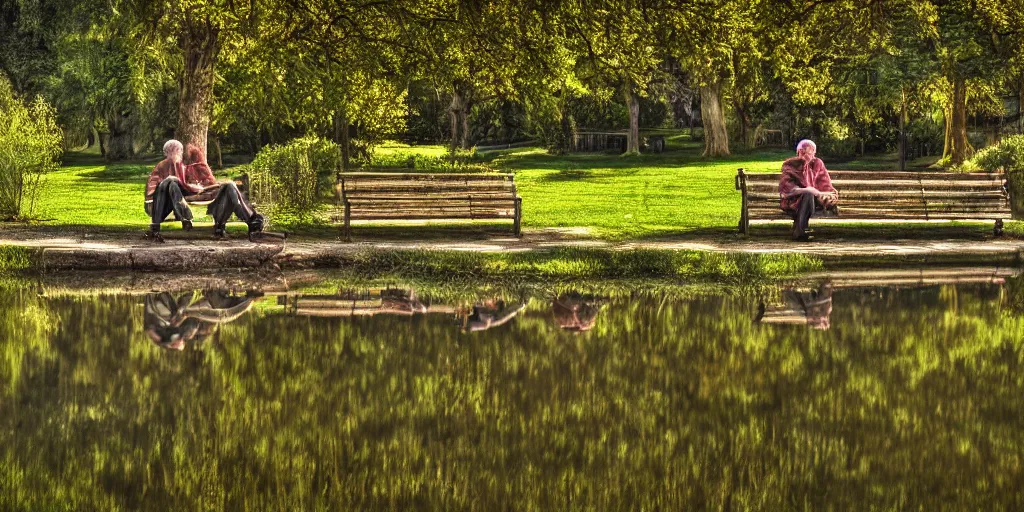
(800, 306)
(671, 400)
(172, 321)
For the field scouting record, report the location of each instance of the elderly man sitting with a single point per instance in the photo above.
(805, 188)
(171, 182)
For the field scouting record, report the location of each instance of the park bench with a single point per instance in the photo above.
(889, 195)
(426, 196)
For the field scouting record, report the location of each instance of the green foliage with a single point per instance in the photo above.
(294, 178)
(30, 147)
(15, 259)
(1007, 156)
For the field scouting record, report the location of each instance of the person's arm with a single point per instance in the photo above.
(155, 178)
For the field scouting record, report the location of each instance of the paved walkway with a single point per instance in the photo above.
(118, 250)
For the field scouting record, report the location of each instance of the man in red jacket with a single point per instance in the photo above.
(805, 188)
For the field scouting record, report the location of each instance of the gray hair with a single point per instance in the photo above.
(170, 145)
(806, 142)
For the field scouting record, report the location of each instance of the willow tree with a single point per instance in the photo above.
(186, 40)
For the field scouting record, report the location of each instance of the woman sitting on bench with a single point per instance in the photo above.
(171, 182)
(805, 188)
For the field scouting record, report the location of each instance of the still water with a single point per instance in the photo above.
(817, 395)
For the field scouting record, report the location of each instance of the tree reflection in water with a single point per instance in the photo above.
(913, 399)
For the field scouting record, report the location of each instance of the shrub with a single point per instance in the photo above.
(30, 146)
(294, 178)
(1007, 156)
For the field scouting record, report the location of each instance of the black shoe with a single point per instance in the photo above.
(153, 235)
(219, 234)
(256, 223)
(803, 238)
(186, 225)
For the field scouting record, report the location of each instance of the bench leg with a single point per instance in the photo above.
(998, 229)
(517, 221)
(348, 222)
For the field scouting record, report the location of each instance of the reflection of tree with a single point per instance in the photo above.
(912, 400)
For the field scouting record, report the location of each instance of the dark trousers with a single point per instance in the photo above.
(808, 206)
(229, 201)
(169, 197)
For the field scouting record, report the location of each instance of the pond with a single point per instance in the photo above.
(848, 391)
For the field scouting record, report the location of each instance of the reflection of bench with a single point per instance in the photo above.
(422, 196)
(889, 195)
(365, 303)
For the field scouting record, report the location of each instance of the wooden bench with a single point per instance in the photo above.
(889, 195)
(424, 196)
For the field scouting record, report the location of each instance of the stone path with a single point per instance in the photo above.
(71, 250)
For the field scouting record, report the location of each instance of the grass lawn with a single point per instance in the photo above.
(674, 194)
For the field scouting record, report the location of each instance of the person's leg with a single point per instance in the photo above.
(229, 201)
(169, 197)
(802, 216)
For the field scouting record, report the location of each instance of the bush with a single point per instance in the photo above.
(1007, 156)
(30, 146)
(294, 178)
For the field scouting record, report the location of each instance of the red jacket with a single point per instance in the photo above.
(196, 173)
(798, 174)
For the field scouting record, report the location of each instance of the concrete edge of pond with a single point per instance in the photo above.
(42, 258)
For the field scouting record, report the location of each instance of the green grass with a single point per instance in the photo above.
(676, 194)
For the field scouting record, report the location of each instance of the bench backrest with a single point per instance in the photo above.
(425, 196)
(892, 194)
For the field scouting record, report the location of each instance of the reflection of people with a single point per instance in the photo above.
(490, 313)
(816, 305)
(805, 188)
(170, 321)
(574, 312)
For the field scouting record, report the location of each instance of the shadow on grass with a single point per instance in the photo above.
(137, 172)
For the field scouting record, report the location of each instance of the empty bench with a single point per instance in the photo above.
(889, 195)
(425, 196)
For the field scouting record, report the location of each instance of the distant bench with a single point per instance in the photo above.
(427, 196)
(883, 195)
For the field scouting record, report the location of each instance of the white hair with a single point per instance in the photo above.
(170, 145)
(806, 142)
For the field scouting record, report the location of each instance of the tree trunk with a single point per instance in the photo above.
(716, 137)
(199, 42)
(453, 113)
(220, 157)
(903, 133)
(346, 142)
(633, 136)
(743, 116)
(961, 148)
(464, 115)
(120, 145)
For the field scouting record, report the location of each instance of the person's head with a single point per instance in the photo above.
(195, 155)
(806, 149)
(173, 150)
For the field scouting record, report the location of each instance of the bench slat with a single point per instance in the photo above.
(884, 176)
